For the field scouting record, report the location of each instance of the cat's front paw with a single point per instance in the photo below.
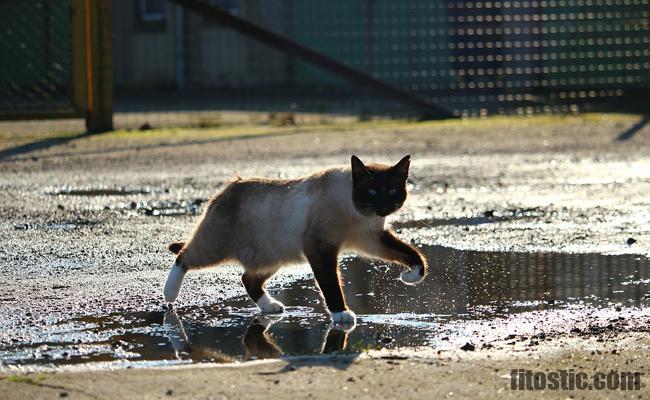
(413, 276)
(269, 305)
(344, 317)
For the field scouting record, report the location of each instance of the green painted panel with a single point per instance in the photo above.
(596, 44)
(404, 43)
(506, 45)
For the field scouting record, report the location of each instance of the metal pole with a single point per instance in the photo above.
(179, 46)
(99, 66)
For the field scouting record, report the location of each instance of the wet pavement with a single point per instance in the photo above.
(463, 286)
(544, 228)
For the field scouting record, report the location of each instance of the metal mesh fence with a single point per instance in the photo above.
(175, 67)
(35, 48)
(471, 57)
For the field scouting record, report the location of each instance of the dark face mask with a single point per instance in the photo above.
(379, 189)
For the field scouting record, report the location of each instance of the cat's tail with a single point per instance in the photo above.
(176, 247)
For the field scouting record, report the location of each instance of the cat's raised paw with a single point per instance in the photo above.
(344, 317)
(413, 276)
(269, 305)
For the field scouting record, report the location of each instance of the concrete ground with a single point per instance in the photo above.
(80, 236)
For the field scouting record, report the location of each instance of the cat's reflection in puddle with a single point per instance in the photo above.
(256, 343)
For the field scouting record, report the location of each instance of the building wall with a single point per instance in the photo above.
(143, 54)
(267, 66)
(146, 56)
(216, 56)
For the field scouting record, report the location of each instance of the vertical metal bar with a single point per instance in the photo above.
(47, 34)
(179, 46)
(289, 31)
(370, 34)
(90, 82)
(77, 31)
(99, 67)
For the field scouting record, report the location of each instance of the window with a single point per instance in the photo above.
(151, 10)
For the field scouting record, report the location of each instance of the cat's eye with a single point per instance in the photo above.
(372, 192)
(392, 191)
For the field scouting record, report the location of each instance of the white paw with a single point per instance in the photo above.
(344, 317)
(174, 281)
(269, 305)
(413, 276)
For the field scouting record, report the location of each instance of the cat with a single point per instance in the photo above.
(266, 223)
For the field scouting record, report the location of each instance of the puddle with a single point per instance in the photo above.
(170, 208)
(464, 286)
(65, 225)
(146, 207)
(488, 217)
(105, 191)
(157, 208)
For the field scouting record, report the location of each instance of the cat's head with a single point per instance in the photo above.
(379, 189)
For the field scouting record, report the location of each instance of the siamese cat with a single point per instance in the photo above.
(264, 224)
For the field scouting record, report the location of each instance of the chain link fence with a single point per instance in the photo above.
(174, 67)
(36, 53)
(470, 57)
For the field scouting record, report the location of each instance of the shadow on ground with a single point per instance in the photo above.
(633, 130)
(39, 145)
(52, 142)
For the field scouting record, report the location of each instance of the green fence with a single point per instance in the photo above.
(35, 47)
(171, 66)
(597, 48)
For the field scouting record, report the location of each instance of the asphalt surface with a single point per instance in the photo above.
(84, 220)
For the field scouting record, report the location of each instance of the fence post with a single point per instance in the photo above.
(99, 67)
(77, 29)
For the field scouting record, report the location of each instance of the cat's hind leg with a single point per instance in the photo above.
(199, 252)
(254, 283)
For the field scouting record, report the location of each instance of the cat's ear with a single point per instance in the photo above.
(359, 171)
(402, 167)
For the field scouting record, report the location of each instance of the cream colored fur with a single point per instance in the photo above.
(263, 224)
